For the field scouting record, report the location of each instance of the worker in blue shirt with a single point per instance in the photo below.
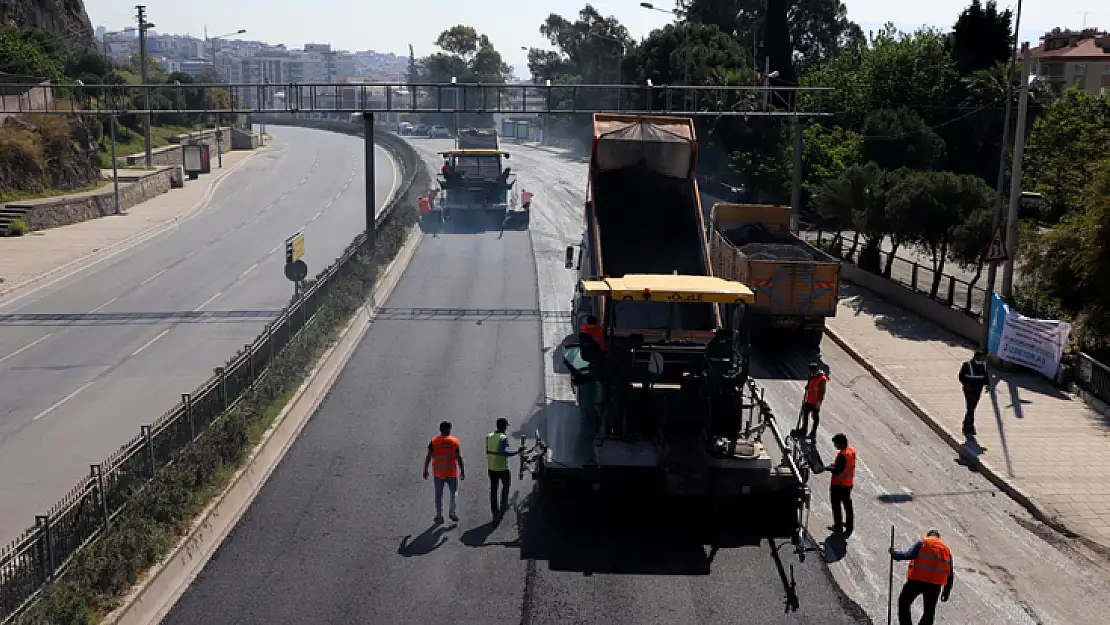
(498, 454)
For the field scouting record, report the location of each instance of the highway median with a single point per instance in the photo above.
(83, 559)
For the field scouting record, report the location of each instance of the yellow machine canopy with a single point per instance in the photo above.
(669, 288)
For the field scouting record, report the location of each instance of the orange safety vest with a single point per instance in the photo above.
(597, 333)
(525, 198)
(445, 456)
(425, 205)
(848, 475)
(933, 563)
(813, 389)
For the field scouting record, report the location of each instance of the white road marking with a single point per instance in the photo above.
(151, 342)
(317, 215)
(276, 248)
(328, 205)
(26, 347)
(337, 196)
(61, 401)
(208, 301)
(249, 269)
(154, 276)
(104, 305)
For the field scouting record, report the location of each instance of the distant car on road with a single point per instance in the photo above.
(420, 129)
(406, 128)
(439, 132)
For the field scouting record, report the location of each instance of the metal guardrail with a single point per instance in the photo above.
(42, 552)
(955, 293)
(1093, 377)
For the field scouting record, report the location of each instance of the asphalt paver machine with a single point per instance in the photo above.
(476, 182)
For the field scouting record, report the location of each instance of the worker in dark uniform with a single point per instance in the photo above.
(843, 471)
(973, 377)
(930, 575)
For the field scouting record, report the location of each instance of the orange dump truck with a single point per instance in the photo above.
(795, 284)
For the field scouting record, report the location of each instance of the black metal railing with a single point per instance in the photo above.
(41, 553)
(1093, 377)
(954, 292)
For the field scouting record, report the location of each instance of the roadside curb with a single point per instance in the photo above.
(83, 262)
(163, 585)
(1014, 491)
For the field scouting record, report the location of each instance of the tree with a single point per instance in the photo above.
(21, 55)
(1067, 140)
(413, 74)
(468, 57)
(819, 29)
(898, 69)
(893, 139)
(981, 37)
(857, 200)
(927, 209)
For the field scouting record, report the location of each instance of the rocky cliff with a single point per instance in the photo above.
(65, 18)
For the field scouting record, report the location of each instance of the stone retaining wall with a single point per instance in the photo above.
(46, 213)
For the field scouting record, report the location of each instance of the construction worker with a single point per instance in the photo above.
(973, 377)
(446, 170)
(843, 471)
(930, 575)
(811, 402)
(592, 332)
(498, 454)
(445, 456)
(425, 205)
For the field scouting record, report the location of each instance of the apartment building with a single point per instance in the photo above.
(1079, 59)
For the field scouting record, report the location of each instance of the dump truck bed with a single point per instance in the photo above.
(477, 139)
(644, 216)
(752, 243)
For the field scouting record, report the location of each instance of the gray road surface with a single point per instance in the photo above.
(88, 375)
(342, 532)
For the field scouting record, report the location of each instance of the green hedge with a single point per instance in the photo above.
(100, 575)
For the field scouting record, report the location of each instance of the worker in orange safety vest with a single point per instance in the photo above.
(593, 332)
(811, 402)
(445, 456)
(930, 575)
(425, 205)
(843, 471)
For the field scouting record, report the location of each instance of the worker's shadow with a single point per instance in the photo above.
(427, 542)
(480, 536)
(834, 548)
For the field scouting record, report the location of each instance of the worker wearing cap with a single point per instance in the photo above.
(930, 575)
(843, 472)
(445, 456)
(595, 333)
(498, 454)
(815, 394)
(973, 377)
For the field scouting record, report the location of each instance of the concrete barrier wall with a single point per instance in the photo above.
(954, 320)
(173, 155)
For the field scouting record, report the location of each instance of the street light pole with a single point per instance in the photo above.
(992, 271)
(685, 43)
(143, 26)
(1015, 177)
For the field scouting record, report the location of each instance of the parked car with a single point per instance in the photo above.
(406, 128)
(420, 130)
(439, 132)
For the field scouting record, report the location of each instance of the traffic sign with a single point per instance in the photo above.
(996, 249)
(296, 271)
(294, 248)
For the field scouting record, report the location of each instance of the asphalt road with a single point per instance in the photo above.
(342, 531)
(80, 374)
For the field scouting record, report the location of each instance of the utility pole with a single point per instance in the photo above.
(143, 26)
(992, 272)
(1015, 177)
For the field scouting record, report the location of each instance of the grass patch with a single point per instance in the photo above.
(18, 227)
(157, 516)
(134, 143)
(16, 195)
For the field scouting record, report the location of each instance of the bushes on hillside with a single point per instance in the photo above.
(42, 152)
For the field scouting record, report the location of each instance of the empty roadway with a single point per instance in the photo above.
(343, 533)
(80, 373)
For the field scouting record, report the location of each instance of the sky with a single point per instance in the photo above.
(390, 26)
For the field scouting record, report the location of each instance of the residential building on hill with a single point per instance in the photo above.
(1080, 59)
